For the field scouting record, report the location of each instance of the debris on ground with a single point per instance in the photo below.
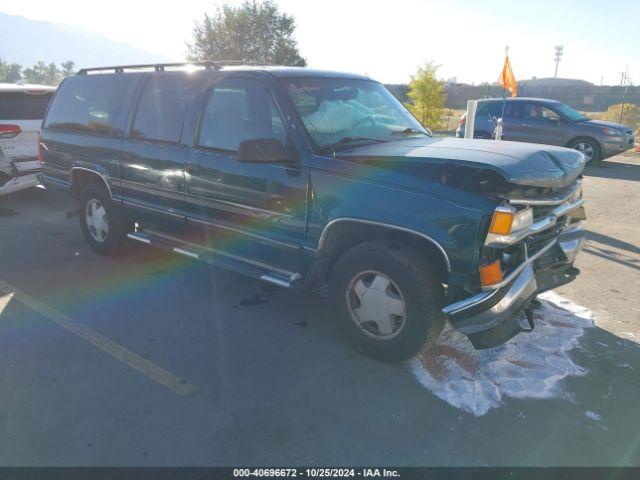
(531, 365)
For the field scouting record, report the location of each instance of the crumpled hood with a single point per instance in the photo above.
(519, 163)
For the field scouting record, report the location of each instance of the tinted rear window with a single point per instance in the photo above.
(162, 108)
(88, 103)
(23, 106)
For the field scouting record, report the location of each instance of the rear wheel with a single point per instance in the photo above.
(101, 224)
(589, 148)
(387, 300)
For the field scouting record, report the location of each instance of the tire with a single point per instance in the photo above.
(412, 280)
(585, 145)
(109, 241)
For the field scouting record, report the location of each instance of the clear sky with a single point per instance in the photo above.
(388, 39)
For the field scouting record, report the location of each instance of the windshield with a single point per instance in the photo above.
(570, 113)
(344, 112)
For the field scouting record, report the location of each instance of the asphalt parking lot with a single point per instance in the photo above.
(153, 359)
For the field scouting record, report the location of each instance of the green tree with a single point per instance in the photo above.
(43, 74)
(53, 74)
(68, 68)
(427, 96)
(3, 70)
(37, 74)
(630, 115)
(30, 75)
(13, 73)
(253, 32)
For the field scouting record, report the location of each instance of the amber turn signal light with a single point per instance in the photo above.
(501, 222)
(490, 274)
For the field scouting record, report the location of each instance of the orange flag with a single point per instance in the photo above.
(507, 79)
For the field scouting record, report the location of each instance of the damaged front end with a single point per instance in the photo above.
(531, 249)
(18, 174)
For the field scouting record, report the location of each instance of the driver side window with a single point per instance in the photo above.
(236, 110)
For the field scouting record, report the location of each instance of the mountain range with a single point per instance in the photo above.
(26, 41)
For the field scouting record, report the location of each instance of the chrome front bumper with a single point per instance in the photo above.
(490, 318)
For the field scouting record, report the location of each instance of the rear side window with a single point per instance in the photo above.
(87, 104)
(23, 105)
(162, 108)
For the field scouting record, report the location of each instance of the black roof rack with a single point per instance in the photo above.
(159, 67)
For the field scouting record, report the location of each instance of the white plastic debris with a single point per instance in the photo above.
(531, 365)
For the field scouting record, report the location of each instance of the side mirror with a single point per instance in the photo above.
(263, 150)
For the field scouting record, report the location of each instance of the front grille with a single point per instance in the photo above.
(551, 208)
(541, 211)
(546, 206)
(536, 242)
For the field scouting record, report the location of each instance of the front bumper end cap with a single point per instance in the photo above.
(491, 318)
(494, 321)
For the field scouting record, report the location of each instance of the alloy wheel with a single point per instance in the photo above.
(586, 149)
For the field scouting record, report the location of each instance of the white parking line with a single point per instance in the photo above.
(118, 352)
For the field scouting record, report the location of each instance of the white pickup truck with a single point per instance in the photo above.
(21, 110)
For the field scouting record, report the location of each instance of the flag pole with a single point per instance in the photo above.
(504, 95)
(499, 129)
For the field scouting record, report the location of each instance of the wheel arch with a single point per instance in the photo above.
(584, 137)
(341, 234)
(80, 176)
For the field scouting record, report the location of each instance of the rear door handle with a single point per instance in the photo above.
(527, 125)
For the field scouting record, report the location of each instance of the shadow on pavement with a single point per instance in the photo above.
(611, 241)
(597, 244)
(628, 170)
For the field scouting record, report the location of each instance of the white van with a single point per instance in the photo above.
(21, 110)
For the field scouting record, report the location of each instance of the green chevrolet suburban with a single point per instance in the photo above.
(304, 178)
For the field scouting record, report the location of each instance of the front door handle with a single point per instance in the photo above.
(192, 169)
(527, 125)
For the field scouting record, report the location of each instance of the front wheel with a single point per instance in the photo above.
(100, 222)
(387, 300)
(589, 148)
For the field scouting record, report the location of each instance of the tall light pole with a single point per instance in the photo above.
(559, 52)
(623, 76)
(626, 79)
